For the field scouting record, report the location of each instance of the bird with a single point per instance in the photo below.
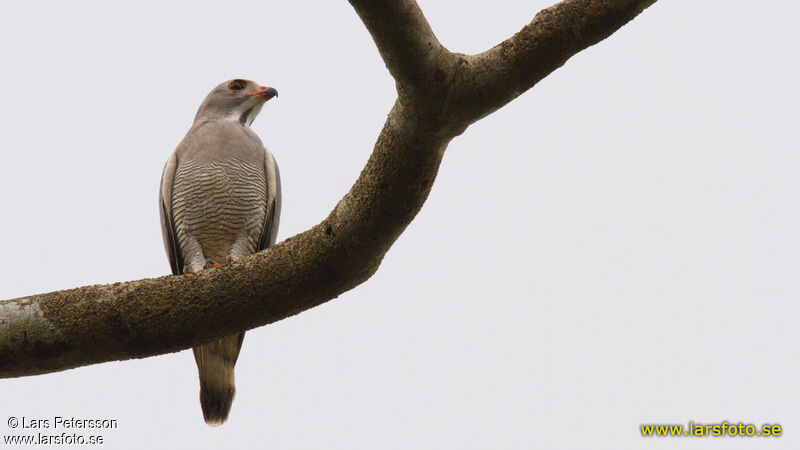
(220, 200)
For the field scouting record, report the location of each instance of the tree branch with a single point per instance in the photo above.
(439, 95)
(493, 78)
(403, 37)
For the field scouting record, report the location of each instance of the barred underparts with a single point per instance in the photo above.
(220, 206)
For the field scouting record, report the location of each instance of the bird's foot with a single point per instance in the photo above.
(210, 263)
(230, 258)
(186, 269)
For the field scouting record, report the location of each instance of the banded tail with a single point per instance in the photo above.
(215, 362)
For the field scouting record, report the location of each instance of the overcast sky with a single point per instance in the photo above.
(618, 246)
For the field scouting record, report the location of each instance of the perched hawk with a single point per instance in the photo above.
(220, 200)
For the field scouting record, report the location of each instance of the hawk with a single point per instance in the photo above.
(220, 200)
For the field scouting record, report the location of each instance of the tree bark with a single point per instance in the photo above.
(440, 93)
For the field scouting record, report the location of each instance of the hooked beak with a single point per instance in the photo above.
(265, 92)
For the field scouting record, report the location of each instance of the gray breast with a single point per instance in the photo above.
(218, 203)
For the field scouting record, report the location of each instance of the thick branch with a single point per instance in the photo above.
(439, 95)
(92, 324)
(491, 79)
(403, 37)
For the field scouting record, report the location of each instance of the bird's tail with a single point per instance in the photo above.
(215, 363)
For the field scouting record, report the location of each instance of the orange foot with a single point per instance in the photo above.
(230, 258)
(210, 263)
(187, 270)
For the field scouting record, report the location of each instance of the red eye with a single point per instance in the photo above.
(236, 85)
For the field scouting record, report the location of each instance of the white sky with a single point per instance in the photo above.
(618, 246)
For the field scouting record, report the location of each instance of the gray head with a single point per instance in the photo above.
(238, 100)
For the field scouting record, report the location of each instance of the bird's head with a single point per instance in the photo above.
(238, 100)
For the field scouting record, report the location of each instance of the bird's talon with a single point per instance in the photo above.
(210, 263)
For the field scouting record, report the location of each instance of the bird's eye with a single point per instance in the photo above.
(236, 85)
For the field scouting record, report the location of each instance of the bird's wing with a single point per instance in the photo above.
(167, 224)
(273, 214)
